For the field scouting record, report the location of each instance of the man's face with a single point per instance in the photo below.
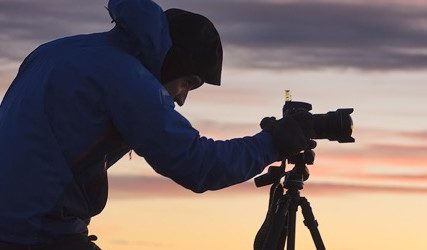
(180, 87)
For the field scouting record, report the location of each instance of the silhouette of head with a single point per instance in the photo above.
(196, 50)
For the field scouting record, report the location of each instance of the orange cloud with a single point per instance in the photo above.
(219, 130)
(396, 178)
(374, 157)
(417, 135)
(335, 189)
(133, 187)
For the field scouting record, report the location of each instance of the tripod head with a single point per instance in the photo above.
(294, 177)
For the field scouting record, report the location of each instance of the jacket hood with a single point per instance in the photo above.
(147, 25)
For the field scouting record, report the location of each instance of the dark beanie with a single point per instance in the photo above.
(196, 48)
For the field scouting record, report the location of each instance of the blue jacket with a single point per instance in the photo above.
(78, 104)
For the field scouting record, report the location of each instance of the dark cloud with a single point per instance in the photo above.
(281, 35)
(316, 25)
(317, 35)
(26, 24)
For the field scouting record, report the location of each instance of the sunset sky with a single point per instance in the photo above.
(369, 55)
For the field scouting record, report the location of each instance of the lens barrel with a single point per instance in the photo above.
(334, 126)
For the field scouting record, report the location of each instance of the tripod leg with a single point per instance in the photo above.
(283, 230)
(311, 223)
(292, 217)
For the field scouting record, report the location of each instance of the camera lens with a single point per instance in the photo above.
(334, 126)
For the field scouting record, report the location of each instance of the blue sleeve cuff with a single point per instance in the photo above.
(270, 154)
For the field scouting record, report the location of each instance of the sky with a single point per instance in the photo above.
(367, 55)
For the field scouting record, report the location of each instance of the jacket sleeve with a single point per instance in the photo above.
(144, 114)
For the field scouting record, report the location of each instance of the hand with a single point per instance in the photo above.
(290, 136)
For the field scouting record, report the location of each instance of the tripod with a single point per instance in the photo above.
(278, 228)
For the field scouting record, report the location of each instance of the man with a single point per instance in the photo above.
(78, 104)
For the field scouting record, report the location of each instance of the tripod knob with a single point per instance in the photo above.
(274, 174)
(307, 157)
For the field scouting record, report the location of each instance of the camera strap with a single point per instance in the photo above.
(273, 222)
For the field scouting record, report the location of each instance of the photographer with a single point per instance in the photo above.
(78, 104)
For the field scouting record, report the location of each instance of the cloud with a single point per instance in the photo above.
(337, 188)
(375, 144)
(384, 152)
(312, 34)
(266, 34)
(132, 187)
(399, 150)
(400, 178)
(410, 152)
(225, 130)
(371, 156)
(416, 135)
(26, 24)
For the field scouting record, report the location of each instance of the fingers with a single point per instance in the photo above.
(267, 123)
(290, 135)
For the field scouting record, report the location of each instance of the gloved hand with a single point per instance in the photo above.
(290, 134)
